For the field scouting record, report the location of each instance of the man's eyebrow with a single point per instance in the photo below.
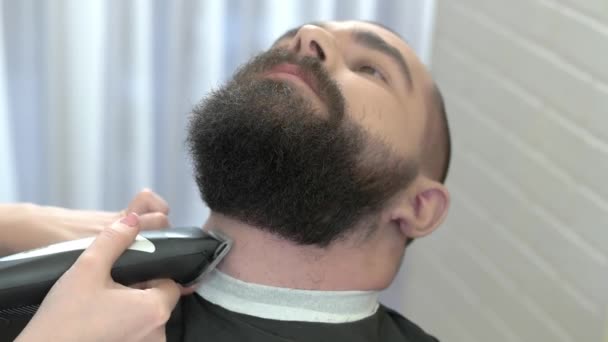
(374, 42)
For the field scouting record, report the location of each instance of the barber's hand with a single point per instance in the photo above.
(87, 305)
(151, 208)
(39, 226)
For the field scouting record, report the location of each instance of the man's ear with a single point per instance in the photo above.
(422, 208)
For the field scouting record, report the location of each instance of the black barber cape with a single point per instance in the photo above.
(287, 316)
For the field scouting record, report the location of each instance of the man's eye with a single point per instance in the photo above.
(367, 69)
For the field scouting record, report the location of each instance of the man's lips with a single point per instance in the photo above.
(295, 71)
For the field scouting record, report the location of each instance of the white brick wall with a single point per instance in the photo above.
(524, 253)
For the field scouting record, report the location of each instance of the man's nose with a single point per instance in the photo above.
(314, 41)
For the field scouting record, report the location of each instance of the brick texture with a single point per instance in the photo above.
(523, 255)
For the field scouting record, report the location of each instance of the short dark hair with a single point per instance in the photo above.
(438, 147)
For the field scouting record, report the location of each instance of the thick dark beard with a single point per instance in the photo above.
(263, 155)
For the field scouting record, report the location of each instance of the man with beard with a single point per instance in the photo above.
(323, 158)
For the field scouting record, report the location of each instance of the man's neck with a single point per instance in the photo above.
(263, 258)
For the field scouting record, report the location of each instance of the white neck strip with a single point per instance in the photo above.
(286, 304)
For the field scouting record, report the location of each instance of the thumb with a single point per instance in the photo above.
(112, 242)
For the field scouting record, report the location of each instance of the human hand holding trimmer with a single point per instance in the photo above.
(92, 299)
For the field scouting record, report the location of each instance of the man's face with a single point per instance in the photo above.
(384, 93)
(312, 138)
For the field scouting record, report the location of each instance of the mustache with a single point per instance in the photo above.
(328, 89)
(271, 58)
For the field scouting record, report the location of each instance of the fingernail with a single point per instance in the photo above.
(130, 220)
